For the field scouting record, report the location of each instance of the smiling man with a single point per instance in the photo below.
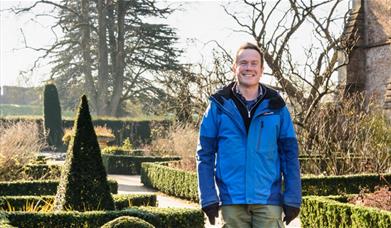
(247, 148)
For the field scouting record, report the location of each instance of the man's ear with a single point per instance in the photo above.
(233, 67)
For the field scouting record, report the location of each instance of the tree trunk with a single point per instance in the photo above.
(102, 98)
(85, 46)
(120, 59)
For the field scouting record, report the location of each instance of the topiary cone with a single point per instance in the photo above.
(83, 184)
(52, 116)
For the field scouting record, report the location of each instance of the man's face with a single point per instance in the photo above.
(248, 69)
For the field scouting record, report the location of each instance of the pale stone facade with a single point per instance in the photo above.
(369, 65)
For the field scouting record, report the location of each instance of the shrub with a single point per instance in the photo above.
(42, 171)
(346, 136)
(329, 212)
(21, 203)
(159, 217)
(101, 132)
(38, 187)
(128, 222)
(138, 131)
(52, 116)
(125, 149)
(178, 183)
(183, 184)
(19, 142)
(180, 140)
(129, 165)
(83, 184)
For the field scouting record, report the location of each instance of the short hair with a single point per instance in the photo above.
(252, 46)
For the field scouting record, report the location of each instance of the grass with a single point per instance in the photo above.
(27, 110)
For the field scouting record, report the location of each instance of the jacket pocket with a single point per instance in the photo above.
(266, 144)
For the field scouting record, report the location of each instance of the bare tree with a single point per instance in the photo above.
(274, 24)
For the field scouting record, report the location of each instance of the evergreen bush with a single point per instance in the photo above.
(83, 184)
(52, 116)
(128, 222)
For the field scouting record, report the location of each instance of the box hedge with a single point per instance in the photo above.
(183, 184)
(38, 187)
(345, 184)
(128, 222)
(179, 183)
(17, 203)
(129, 165)
(331, 212)
(159, 217)
(42, 171)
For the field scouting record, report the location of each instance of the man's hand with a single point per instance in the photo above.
(290, 213)
(212, 211)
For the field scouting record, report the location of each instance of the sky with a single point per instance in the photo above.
(207, 19)
(199, 21)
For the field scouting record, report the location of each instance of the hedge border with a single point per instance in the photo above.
(121, 201)
(130, 165)
(38, 187)
(159, 217)
(175, 182)
(184, 184)
(322, 212)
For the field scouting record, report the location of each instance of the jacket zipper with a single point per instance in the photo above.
(245, 106)
(259, 137)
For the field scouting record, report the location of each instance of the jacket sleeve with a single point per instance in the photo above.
(289, 156)
(206, 153)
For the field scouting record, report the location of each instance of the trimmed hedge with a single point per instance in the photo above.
(171, 181)
(83, 183)
(4, 222)
(159, 217)
(138, 131)
(38, 187)
(128, 222)
(184, 184)
(121, 201)
(52, 116)
(129, 165)
(42, 171)
(327, 212)
(347, 184)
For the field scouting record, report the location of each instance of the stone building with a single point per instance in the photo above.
(19, 95)
(369, 67)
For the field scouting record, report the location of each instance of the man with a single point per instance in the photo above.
(247, 147)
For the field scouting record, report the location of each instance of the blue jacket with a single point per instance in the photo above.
(248, 165)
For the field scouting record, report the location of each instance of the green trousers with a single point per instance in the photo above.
(251, 216)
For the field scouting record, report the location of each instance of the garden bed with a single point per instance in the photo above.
(380, 199)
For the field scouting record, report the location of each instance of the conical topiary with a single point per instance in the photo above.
(83, 184)
(52, 116)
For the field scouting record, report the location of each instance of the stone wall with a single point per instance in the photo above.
(369, 65)
(378, 56)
